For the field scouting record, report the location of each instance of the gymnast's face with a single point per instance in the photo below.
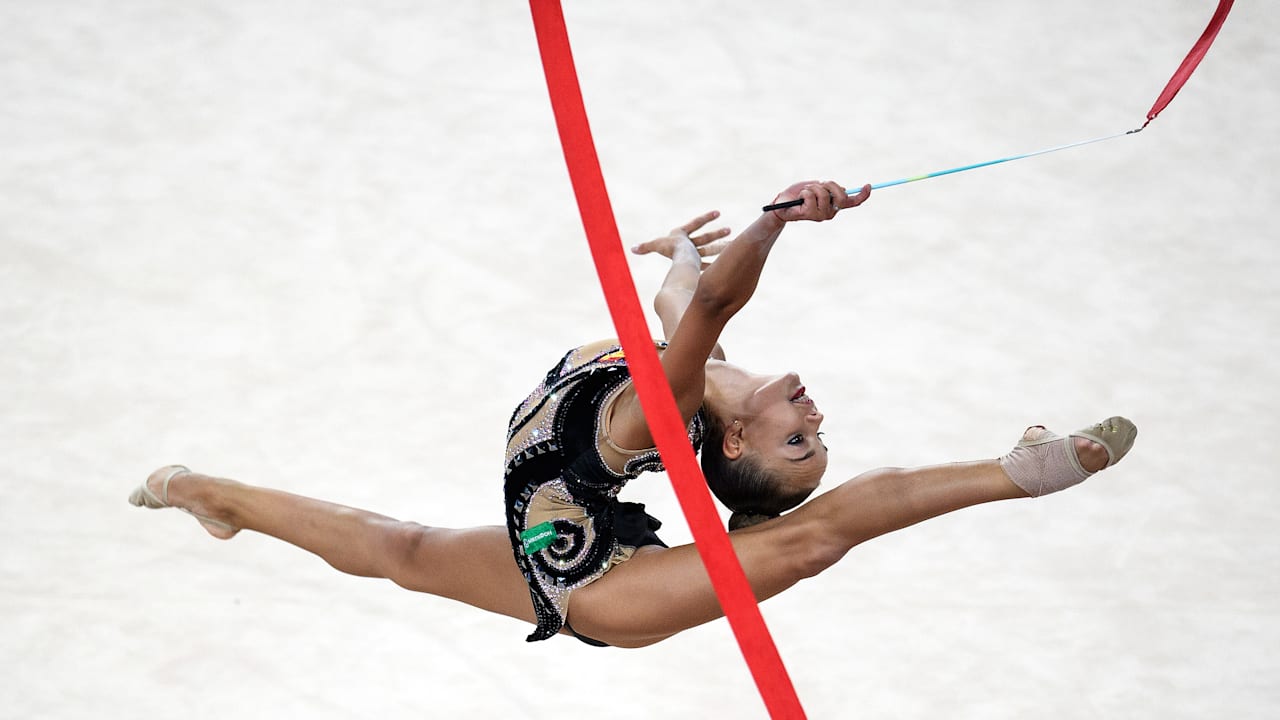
(780, 424)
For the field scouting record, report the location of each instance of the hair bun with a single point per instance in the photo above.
(739, 520)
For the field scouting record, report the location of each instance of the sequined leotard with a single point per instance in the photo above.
(566, 525)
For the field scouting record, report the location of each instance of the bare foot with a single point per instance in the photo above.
(1093, 457)
(191, 493)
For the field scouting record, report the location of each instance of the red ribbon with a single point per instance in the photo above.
(727, 576)
(660, 411)
(1190, 62)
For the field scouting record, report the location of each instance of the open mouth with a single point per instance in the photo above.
(800, 396)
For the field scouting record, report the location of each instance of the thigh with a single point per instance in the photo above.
(471, 565)
(657, 594)
(660, 592)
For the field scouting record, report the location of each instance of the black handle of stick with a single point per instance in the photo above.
(781, 205)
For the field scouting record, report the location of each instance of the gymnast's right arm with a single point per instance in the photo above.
(729, 283)
(722, 290)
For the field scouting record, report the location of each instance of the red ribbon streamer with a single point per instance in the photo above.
(1190, 62)
(660, 411)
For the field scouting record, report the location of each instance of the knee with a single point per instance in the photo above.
(403, 547)
(810, 546)
(820, 534)
(825, 549)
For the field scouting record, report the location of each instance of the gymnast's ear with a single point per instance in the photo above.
(733, 445)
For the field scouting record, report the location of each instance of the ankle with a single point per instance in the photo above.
(206, 495)
(1093, 456)
(1041, 464)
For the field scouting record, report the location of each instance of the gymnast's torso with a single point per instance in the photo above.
(563, 476)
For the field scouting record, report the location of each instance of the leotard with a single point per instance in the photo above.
(566, 525)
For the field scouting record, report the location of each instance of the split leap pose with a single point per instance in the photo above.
(583, 557)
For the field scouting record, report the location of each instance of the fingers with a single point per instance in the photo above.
(822, 200)
(661, 245)
(855, 200)
(836, 197)
(707, 243)
(693, 225)
(709, 237)
(713, 248)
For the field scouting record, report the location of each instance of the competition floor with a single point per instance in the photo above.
(326, 247)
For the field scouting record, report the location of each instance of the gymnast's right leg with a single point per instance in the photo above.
(472, 565)
(661, 592)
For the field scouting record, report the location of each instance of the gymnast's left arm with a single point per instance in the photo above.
(686, 252)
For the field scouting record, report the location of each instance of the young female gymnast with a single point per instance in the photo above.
(582, 556)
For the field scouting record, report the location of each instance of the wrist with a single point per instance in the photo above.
(685, 252)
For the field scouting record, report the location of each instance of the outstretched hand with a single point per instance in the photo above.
(706, 244)
(822, 200)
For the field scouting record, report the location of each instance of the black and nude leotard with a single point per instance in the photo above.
(566, 525)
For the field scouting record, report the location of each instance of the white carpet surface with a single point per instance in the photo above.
(326, 247)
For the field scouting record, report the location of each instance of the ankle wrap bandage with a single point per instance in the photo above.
(1044, 466)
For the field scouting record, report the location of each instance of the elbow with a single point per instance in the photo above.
(669, 301)
(715, 302)
(808, 546)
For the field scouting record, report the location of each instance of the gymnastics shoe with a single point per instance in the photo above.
(143, 497)
(1050, 463)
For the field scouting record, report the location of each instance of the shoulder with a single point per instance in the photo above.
(597, 348)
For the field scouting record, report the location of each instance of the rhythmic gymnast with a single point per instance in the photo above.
(573, 559)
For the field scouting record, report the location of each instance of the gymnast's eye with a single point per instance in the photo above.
(795, 440)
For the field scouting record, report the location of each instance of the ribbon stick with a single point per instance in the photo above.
(1175, 84)
(660, 411)
(962, 168)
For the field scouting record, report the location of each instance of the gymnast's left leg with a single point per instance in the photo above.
(471, 565)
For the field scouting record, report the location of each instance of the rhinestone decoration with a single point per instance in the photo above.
(553, 457)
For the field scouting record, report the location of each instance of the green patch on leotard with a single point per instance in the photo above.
(538, 537)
